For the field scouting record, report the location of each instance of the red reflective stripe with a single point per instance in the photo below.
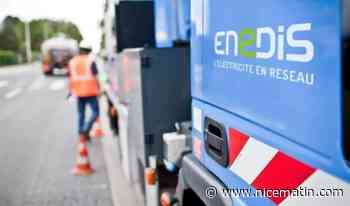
(237, 141)
(282, 172)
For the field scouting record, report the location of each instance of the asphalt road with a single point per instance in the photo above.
(38, 144)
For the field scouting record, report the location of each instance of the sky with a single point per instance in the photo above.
(86, 14)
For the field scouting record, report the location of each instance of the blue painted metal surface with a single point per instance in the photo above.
(291, 104)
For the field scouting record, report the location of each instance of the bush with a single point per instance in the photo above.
(7, 57)
(36, 56)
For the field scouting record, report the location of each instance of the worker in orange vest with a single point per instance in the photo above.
(84, 85)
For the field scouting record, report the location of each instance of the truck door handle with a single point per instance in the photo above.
(216, 141)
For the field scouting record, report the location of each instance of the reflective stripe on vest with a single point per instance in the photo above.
(82, 81)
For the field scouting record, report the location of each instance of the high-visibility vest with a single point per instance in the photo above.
(82, 81)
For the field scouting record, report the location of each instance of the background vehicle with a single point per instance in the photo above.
(56, 53)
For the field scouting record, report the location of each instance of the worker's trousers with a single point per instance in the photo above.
(83, 102)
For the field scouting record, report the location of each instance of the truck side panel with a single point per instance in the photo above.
(301, 115)
(268, 75)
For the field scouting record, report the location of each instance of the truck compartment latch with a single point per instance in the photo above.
(216, 141)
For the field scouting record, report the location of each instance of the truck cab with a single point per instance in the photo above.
(56, 53)
(270, 103)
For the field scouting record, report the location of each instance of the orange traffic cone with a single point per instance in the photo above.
(97, 131)
(83, 165)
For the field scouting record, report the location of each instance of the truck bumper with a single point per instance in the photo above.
(197, 178)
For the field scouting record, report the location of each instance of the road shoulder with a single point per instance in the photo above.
(123, 193)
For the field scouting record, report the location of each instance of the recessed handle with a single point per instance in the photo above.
(216, 141)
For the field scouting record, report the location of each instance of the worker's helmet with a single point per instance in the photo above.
(84, 45)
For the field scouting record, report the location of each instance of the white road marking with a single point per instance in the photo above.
(13, 93)
(57, 85)
(37, 84)
(4, 83)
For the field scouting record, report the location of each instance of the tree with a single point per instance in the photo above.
(37, 29)
(12, 35)
(72, 31)
(44, 28)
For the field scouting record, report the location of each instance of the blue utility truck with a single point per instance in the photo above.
(270, 104)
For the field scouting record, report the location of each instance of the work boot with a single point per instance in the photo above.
(87, 137)
(96, 130)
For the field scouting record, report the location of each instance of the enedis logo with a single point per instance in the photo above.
(275, 43)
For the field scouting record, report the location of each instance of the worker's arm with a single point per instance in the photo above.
(69, 80)
(94, 69)
(95, 73)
